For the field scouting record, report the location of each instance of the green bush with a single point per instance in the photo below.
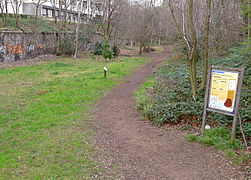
(99, 48)
(67, 46)
(107, 52)
(171, 100)
(115, 50)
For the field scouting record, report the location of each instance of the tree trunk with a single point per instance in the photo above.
(140, 48)
(17, 20)
(6, 14)
(249, 9)
(205, 65)
(77, 29)
(65, 16)
(36, 12)
(194, 52)
(60, 28)
(55, 16)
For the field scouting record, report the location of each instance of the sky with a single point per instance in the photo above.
(158, 2)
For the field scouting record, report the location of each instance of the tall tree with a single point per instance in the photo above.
(80, 8)
(191, 47)
(54, 5)
(206, 48)
(15, 4)
(4, 12)
(59, 48)
(38, 4)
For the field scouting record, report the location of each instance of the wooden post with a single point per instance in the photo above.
(238, 97)
(206, 99)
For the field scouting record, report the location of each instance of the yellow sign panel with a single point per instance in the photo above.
(223, 90)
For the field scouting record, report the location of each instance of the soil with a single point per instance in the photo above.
(132, 148)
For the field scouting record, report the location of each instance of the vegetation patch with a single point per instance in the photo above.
(44, 131)
(168, 98)
(220, 139)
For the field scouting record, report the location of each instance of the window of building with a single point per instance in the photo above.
(50, 13)
(44, 12)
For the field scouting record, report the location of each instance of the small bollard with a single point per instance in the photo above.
(105, 69)
(207, 127)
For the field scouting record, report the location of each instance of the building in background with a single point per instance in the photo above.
(91, 9)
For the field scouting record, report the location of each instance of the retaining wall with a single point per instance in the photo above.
(16, 46)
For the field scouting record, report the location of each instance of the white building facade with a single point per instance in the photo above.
(50, 8)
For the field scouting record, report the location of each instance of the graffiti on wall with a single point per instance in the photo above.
(16, 51)
(30, 48)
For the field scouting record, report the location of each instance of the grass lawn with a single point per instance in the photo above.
(43, 116)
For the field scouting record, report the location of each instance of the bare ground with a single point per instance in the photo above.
(144, 151)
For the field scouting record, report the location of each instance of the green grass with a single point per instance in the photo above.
(44, 110)
(28, 23)
(141, 95)
(219, 138)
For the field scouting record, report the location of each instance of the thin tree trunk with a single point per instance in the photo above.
(205, 65)
(60, 27)
(36, 13)
(77, 29)
(249, 44)
(193, 55)
(182, 35)
(3, 16)
(17, 20)
(107, 36)
(6, 13)
(55, 16)
(141, 48)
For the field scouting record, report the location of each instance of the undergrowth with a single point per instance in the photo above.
(220, 139)
(168, 98)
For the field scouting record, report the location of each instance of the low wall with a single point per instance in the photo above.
(16, 46)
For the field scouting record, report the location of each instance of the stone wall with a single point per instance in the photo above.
(16, 46)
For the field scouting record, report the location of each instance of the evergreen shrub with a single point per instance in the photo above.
(171, 99)
(98, 49)
(107, 52)
(115, 50)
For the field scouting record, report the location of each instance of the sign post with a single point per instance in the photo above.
(223, 93)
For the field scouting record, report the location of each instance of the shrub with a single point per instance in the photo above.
(107, 52)
(67, 46)
(171, 99)
(98, 49)
(115, 50)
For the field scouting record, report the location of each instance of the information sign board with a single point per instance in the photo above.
(223, 90)
(223, 93)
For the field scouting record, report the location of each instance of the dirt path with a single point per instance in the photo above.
(143, 151)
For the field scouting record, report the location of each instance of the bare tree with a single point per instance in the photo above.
(60, 27)
(54, 4)
(66, 5)
(4, 12)
(206, 49)
(80, 8)
(38, 4)
(108, 11)
(191, 47)
(15, 4)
